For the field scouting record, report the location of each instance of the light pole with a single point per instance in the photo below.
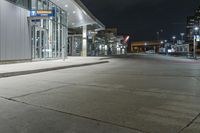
(174, 38)
(182, 35)
(162, 43)
(196, 29)
(145, 44)
(158, 35)
(174, 44)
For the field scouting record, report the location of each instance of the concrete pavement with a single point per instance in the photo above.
(134, 94)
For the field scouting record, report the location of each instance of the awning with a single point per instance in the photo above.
(78, 14)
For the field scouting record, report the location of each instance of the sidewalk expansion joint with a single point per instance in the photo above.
(37, 92)
(127, 90)
(197, 78)
(18, 73)
(75, 115)
(190, 123)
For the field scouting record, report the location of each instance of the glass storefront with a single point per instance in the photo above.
(74, 45)
(49, 34)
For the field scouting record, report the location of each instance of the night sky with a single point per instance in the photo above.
(143, 18)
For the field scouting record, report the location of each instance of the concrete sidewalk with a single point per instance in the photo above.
(8, 70)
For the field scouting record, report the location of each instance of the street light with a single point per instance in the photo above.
(174, 38)
(196, 29)
(145, 46)
(162, 43)
(158, 35)
(182, 35)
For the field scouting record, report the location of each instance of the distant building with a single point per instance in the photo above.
(192, 21)
(108, 42)
(111, 30)
(197, 16)
(189, 27)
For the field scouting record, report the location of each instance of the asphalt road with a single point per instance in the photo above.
(134, 94)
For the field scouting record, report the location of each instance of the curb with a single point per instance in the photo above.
(105, 58)
(18, 73)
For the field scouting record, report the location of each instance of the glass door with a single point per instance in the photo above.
(40, 43)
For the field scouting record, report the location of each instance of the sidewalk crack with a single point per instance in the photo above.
(37, 92)
(189, 124)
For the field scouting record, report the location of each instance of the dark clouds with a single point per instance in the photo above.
(142, 18)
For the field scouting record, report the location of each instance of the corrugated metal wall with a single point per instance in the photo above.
(14, 35)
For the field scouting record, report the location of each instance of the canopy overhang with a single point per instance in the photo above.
(79, 15)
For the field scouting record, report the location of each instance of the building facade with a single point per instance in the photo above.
(14, 32)
(38, 29)
(107, 42)
(192, 21)
(189, 28)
